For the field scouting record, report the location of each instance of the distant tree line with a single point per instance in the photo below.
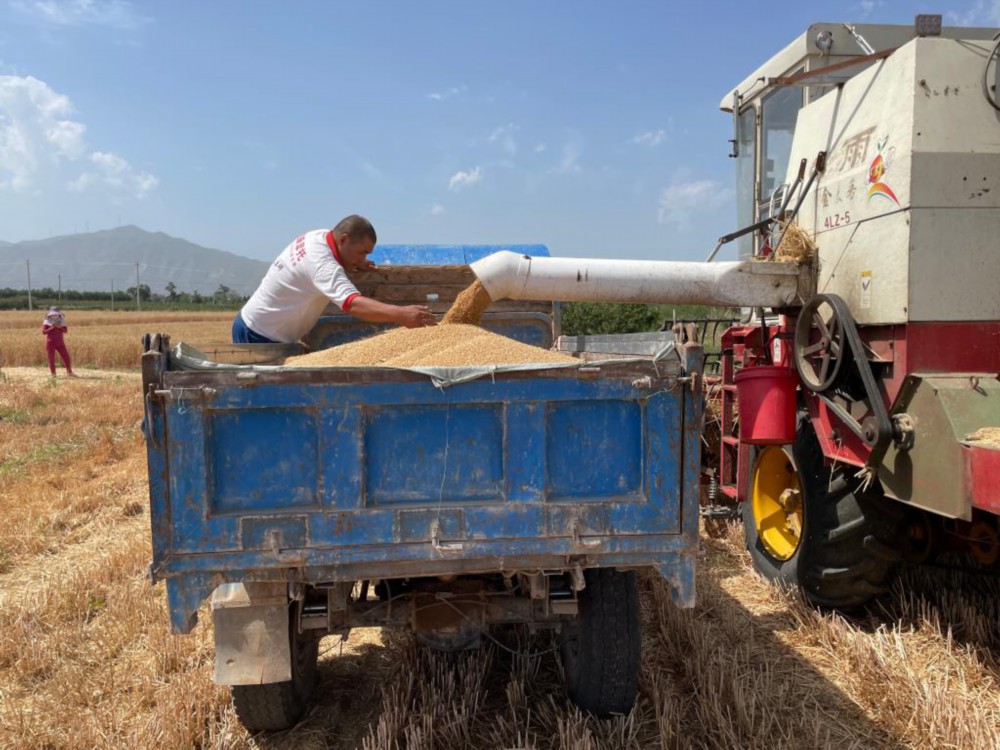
(590, 318)
(223, 297)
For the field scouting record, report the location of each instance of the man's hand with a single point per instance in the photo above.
(366, 265)
(416, 316)
(373, 311)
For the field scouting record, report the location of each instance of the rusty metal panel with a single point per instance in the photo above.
(944, 409)
(524, 470)
(261, 459)
(431, 453)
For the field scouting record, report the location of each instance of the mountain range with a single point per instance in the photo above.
(97, 260)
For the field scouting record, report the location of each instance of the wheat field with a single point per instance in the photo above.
(105, 339)
(87, 660)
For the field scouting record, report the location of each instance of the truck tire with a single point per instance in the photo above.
(280, 705)
(844, 554)
(601, 650)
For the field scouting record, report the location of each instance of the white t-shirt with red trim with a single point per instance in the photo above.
(298, 286)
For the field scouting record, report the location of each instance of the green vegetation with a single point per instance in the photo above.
(589, 318)
(222, 298)
(43, 453)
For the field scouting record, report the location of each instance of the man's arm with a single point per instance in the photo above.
(373, 311)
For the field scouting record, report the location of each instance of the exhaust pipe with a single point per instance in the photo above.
(507, 275)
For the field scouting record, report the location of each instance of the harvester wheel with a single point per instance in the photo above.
(601, 650)
(835, 543)
(280, 705)
(820, 345)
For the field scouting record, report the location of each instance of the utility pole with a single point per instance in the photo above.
(27, 264)
(112, 295)
(137, 305)
(60, 289)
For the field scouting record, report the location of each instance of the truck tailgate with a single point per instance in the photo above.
(342, 474)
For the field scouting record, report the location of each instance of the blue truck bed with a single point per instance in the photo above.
(306, 502)
(348, 474)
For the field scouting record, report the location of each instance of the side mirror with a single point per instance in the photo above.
(735, 142)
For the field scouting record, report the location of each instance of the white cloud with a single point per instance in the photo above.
(462, 179)
(505, 136)
(540, 148)
(569, 163)
(67, 137)
(436, 210)
(982, 13)
(112, 164)
(650, 138)
(42, 147)
(116, 14)
(146, 183)
(448, 93)
(680, 201)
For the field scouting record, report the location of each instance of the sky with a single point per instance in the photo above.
(590, 127)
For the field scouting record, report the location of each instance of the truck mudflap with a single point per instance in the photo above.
(251, 633)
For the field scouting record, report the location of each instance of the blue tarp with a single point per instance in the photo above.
(445, 255)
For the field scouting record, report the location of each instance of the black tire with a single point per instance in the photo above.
(279, 705)
(846, 553)
(601, 651)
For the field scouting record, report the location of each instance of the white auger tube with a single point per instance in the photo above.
(508, 275)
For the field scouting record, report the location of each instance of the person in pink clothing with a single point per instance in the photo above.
(54, 329)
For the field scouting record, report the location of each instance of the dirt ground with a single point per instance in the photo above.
(86, 658)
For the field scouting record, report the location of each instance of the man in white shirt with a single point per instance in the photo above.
(309, 274)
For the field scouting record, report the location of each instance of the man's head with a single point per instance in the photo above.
(355, 240)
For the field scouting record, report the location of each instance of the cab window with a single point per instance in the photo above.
(779, 111)
(745, 178)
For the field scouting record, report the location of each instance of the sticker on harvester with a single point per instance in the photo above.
(866, 290)
(777, 351)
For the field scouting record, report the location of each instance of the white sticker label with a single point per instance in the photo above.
(777, 351)
(866, 290)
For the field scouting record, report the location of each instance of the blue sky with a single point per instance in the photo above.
(592, 127)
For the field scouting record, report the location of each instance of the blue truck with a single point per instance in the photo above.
(305, 502)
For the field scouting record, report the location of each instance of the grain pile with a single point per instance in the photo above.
(455, 345)
(988, 436)
(469, 306)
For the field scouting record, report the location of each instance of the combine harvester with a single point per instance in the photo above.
(308, 502)
(862, 412)
(866, 405)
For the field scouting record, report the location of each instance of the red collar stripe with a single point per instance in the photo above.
(331, 241)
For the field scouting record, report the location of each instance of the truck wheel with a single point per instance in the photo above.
(601, 650)
(280, 705)
(814, 528)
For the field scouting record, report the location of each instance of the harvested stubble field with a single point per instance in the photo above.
(105, 339)
(86, 659)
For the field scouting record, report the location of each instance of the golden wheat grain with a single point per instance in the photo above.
(453, 345)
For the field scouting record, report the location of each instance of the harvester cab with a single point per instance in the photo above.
(766, 104)
(873, 150)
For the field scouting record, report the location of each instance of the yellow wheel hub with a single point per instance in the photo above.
(776, 497)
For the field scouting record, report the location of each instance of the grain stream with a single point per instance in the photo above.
(469, 306)
(454, 345)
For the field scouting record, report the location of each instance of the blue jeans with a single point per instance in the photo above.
(242, 334)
